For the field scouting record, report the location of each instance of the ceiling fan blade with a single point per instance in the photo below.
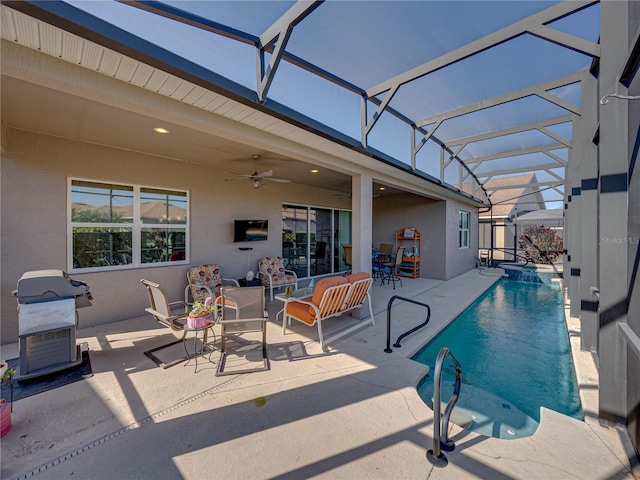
(242, 175)
(279, 180)
(348, 195)
(268, 173)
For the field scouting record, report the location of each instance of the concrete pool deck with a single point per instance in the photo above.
(351, 413)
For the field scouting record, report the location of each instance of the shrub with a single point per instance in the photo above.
(541, 244)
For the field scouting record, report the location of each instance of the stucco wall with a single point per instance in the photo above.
(427, 216)
(460, 260)
(35, 169)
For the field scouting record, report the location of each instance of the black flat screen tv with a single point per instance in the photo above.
(250, 230)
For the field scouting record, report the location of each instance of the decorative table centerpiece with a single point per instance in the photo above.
(201, 314)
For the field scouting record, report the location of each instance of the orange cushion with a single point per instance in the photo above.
(354, 277)
(301, 311)
(322, 286)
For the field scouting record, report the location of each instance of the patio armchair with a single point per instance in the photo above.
(163, 312)
(272, 273)
(205, 281)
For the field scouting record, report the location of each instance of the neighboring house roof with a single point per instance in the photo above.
(509, 202)
(548, 218)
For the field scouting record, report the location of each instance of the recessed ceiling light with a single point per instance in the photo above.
(161, 130)
(315, 170)
(381, 188)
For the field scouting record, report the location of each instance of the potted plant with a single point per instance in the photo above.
(5, 408)
(5, 371)
(201, 314)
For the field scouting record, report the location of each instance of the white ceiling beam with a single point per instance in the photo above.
(298, 12)
(572, 107)
(566, 40)
(516, 153)
(553, 174)
(539, 90)
(555, 136)
(496, 38)
(522, 128)
(551, 183)
(562, 161)
(509, 171)
(277, 35)
(266, 75)
(516, 29)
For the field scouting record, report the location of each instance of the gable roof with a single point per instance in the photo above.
(509, 202)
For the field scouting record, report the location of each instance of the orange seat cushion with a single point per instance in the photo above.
(354, 277)
(301, 311)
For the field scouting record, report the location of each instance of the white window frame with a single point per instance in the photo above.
(464, 218)
(136, 229)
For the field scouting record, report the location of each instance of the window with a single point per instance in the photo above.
(463, 229)
(115, 226)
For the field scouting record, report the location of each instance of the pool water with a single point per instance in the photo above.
(513, 346)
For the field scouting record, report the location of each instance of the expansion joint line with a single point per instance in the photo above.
(128, 428)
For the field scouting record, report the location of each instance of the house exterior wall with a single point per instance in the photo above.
(35, 170)
(460, 260)
(437, 222)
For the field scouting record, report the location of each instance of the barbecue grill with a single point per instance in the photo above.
(47, 321)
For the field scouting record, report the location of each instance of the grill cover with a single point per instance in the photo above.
(47, 285)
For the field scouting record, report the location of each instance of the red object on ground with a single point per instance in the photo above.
(5, 417)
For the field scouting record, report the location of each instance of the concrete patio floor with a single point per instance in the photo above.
(351, 413)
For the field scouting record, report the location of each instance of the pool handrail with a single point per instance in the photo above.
(516, 255)
(408, 332)
(440, 430)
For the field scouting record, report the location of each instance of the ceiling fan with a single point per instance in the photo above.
(257, 179)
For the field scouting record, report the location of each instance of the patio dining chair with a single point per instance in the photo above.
(163, 312)
(243, 313)
(318, 255)
(391, 274)
(347, 252)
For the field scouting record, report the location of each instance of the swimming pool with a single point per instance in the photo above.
(513, 346)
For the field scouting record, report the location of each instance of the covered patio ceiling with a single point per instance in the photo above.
(453, 92)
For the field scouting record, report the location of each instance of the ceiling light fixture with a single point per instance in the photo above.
(382, 188)
(160, 130)
(315, 170)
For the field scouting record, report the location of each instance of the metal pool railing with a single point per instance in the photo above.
(440, 428)
(408, 332)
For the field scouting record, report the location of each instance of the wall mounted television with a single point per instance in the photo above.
(250, 230)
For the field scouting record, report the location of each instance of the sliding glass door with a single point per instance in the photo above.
(312, 239)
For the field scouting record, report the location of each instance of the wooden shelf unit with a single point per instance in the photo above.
(409, 238)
